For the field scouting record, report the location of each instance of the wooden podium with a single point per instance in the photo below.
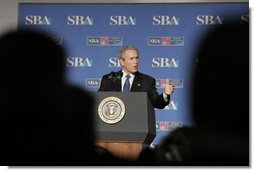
(124, 122)
(123, 149)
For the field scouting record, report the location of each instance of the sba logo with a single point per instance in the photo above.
(93, 82)
(165, 63)
(114, 62)
(122, 20)
(37, 20)
(209, 20)
(79, 20)
(79, 62)
(165, 20)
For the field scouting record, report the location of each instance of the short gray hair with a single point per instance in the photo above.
(121, 52)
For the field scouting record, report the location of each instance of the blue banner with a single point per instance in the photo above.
(166, 35)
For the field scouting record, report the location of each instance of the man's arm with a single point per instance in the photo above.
(157, 99)
(103, 84)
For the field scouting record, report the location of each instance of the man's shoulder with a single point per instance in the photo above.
(106, 75)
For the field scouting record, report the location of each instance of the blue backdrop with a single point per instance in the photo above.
(167, 36)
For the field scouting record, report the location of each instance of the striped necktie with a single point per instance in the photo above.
(126, 87)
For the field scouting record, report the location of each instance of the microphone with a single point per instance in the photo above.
(111, 75)
(114, 76)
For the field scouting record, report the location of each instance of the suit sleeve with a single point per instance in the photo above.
(156, 99)
(103, 84)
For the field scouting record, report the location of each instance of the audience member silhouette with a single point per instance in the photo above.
(44, 121)
(221, 97)
(220, 103)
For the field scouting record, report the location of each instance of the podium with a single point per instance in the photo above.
(124, 122)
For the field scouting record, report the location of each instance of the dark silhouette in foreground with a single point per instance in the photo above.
(44, 121)
(220, 104)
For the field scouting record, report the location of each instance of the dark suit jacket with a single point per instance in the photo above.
(141, 83)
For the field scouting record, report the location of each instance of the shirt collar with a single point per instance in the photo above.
(124, 74)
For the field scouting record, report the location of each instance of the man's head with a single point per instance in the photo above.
(33, 68)
(128, 57)
(31, 56)
(221, 79)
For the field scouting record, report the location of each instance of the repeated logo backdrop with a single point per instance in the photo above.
(167, 36)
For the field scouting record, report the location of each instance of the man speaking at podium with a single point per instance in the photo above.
(129, 79)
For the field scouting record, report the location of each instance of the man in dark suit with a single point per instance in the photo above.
(136, 81)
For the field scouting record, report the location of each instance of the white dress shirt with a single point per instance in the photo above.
(124, 78)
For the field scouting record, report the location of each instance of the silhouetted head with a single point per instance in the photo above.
(32, 67)
(31, 57)
(221, 80)
(43, 120)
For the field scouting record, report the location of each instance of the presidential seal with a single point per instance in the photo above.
(111, 110)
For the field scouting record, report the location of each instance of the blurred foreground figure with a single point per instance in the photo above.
(43, 120)
(220, 105)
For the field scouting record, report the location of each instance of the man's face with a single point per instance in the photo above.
(131, 62)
